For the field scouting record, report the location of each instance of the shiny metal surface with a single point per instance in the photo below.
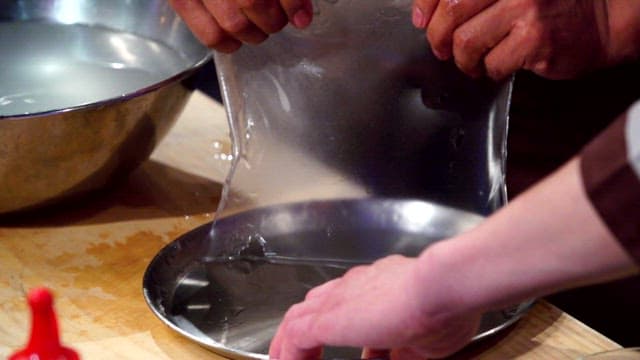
(357, 106)
(354, 107)
(233, 304)
(66, 144)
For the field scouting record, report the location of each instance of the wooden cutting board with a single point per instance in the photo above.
(93, 254)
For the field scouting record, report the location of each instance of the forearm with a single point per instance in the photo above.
(548, 239)
(623, 31)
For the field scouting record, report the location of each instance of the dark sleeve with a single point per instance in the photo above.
(610, 167)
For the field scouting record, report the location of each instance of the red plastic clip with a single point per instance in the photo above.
(44, 342)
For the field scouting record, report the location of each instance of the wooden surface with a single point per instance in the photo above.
(93, 254)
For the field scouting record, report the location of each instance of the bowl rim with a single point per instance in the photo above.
(188, 70)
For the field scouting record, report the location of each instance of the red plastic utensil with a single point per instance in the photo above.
(44, 342)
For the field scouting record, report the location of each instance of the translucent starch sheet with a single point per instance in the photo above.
(351, 141)
(356, 106)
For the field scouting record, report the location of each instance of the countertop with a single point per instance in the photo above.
(93, 253)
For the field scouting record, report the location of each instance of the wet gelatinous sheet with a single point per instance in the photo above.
(357, 106)
(337, 131)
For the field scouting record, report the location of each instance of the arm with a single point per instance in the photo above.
(549, 239)
(554, 39)
(555, 236)
(579, 226)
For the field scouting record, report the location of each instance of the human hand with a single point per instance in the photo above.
(548, 239)
(554, 39)
(381, 306)
(224, 25)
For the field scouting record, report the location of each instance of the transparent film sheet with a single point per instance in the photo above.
(356, 106)
(351, 141)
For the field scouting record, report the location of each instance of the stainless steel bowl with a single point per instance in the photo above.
(233, 304)
(87, 89)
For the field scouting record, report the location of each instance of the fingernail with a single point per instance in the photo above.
(301, 19)
(418, 18)
(440, 55)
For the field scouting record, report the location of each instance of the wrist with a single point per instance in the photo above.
(482, 273)
(442, 273)
(548, 239)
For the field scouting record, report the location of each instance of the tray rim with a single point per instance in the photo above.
(521, 308)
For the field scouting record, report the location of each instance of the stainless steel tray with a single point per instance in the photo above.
(232, 304)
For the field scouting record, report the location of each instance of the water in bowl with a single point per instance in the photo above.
(239, 303)
(50, 66)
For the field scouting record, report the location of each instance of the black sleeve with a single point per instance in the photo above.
(611, 179)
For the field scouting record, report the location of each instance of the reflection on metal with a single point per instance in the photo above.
(354, 107)
(249, 293)
(357, 106)
(88, 89)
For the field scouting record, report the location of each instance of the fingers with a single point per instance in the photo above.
(448, 16)
(299, 12)
(225, 24)
(294, 338)
(234, 22)
(475, 33)
(474, 39)
(506, 58)
(322, 289)
(267, 15)
(301, 346)
(204, 26)
(422, 12)
(296, 323)
(286, 345)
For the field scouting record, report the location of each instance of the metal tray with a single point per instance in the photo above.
(232, 304)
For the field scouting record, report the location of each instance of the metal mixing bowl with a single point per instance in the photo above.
(87, 89)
